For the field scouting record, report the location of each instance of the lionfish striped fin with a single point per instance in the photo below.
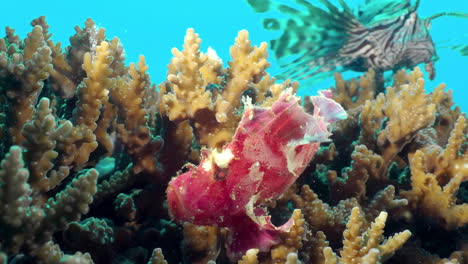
(375, 11)
(311, 37)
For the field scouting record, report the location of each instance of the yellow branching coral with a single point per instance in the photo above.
(392, 120)
(361, 246)
(75, 143)
(187, 95)
(351, 94)
(408, 110)
(436, 176)
(60, 74)
(31, 68)
(129, 95)
(370, 119)
(447, 113)
(321, 216)
(41, 135)
(200, 90)
(95, 88)
(330, 220)
(248, 64)
(365, 166)
(105, 122)
(67, 71)
(93, 93)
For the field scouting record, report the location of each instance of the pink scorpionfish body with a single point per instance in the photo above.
(270, 149)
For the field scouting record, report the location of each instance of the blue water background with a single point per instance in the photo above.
(153, 27)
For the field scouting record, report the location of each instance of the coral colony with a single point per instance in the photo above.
(100, 165)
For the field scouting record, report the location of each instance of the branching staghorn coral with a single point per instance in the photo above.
(93, 93)
(26, 64)
(355, 92)
(199, 89)
(133, 127)
(365, 166)
(361, 246)
(39, 87)
(408, 110)
(41, 135)
(436, 176)
(27, 224)
(61, 71)
(329, 220)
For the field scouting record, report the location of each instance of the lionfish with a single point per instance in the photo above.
(382, 34)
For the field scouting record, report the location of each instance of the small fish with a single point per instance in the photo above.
(383, 35)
